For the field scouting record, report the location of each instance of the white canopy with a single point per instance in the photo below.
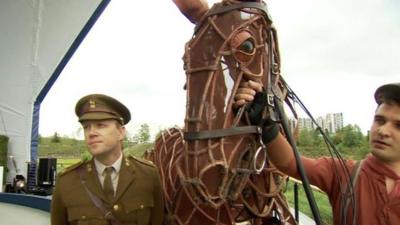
(37, 39)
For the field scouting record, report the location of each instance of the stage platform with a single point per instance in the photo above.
(22, 209)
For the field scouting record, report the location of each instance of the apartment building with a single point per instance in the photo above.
(330, 122)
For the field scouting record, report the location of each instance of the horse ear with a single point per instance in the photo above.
(192, 9)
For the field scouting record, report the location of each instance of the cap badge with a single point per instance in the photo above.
(92, 104)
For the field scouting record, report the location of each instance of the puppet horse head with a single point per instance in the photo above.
(234, 41)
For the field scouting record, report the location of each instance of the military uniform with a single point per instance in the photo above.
(138, 199)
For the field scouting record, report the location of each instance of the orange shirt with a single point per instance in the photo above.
(374, 205)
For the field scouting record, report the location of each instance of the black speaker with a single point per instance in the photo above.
(47, 172)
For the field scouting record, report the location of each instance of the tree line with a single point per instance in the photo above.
(349, 141)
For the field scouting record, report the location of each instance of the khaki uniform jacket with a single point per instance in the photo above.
(138, 199)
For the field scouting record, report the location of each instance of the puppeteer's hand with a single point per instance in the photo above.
(251, 92)
(246, 92)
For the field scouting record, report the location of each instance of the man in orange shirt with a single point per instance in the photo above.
(377, 190)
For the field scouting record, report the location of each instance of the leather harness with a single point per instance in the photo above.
(224, 132)
(96, 200)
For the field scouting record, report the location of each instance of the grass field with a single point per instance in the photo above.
(321, 200)
(64, 163)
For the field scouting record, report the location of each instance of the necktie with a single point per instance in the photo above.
(108, 188)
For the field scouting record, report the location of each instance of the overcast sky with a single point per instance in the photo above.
(334, 55)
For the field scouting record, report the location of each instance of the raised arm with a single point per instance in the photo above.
(192, 9)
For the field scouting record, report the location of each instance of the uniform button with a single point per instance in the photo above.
(115, 207)
(141, 206)
(83, 217)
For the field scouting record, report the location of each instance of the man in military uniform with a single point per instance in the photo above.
(111, 188)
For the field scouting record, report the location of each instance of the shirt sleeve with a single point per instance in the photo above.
(325, 172)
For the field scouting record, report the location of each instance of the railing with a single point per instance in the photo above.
(296, 195)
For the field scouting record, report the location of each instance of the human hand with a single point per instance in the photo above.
(270, 130)
(251, 93)
(246, 92)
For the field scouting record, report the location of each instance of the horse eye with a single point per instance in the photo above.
(247, 46)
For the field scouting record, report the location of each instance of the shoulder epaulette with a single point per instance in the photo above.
(71, 168)
(141, 160)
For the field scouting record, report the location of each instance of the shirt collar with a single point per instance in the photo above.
(100, 166)
(380, 168)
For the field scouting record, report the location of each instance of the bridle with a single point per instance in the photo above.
(273, 91)
(218, 9)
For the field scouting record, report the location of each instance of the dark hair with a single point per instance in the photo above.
(388, 93)
(388, 100)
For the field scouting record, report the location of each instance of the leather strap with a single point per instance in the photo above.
(353, 179)
(97, 201)
(208, 134)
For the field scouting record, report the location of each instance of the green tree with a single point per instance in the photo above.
(317, 137)
(350, 136)
(86, 156)
(309, 137)
(127, 142)
(143, 135)
(305, 138)
(56, 138)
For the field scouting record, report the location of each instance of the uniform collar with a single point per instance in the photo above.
(100, 166)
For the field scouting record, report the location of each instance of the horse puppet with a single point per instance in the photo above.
(215, 170)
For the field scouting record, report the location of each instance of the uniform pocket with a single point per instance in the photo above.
(85, 215)
(138, 210)
(138, 204)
